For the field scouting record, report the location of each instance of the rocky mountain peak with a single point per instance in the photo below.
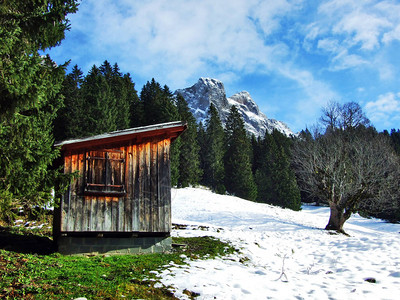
(244, 99)
(208, 90)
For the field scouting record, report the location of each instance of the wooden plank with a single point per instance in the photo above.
(76, 205)
(141, 182)
(136, 187)
(154, 216)
(129, 191)
(107, 214)
(86, 213)
(72, 204)
(147, 190)
(160, 209)
(81, 177)
(93, 214)
(122, 200)
(79, 166)
(114, 215)
(101, 214)
(66, 200)
(121, 214)
(166, 170)
(83, 203)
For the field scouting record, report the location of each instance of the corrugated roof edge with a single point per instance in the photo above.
(122, 133)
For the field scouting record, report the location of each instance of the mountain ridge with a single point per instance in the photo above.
(209, 90)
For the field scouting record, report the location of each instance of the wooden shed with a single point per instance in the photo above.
(121, 200)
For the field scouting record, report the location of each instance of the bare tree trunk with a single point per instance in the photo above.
(336, 219)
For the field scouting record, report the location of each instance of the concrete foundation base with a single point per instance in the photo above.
(69, 245)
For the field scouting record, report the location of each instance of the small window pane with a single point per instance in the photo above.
(105, 172)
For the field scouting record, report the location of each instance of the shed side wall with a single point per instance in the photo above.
(146, 206)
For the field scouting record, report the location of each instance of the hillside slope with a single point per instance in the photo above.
(283, 254)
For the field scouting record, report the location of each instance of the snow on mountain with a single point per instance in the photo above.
(208, 90)
(283, 254)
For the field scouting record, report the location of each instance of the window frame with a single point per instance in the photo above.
(109, 180)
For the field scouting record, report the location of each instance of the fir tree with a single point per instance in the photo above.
(213, 152)
(99, 102)
(158, 103)
(29, 88)
(189, 160)
(123, 91)
(275, 179)
(27, 27)
(238, 172)
(395, 140)
(201, 141)
(287, 190)
(70, 118)
(266, 166)
(129, 98)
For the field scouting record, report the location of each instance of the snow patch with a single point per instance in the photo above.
(283, 254)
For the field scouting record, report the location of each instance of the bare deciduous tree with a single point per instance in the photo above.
(346, 166)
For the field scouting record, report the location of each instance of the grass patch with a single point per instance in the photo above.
(53, 276)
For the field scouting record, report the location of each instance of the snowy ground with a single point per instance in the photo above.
(283, 254)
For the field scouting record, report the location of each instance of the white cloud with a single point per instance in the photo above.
(385, 110)
(351, 32)
(392, 35)
(180, 41)
(329, 44)
(362, 28)
(341, 59)
(344, 60)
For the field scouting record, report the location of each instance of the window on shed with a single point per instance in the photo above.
(105, 172)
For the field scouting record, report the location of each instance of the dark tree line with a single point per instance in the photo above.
(102, 101)
(254, 169)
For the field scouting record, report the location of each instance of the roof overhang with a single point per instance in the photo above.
(169, 130)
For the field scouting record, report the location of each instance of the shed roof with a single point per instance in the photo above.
(171, 130)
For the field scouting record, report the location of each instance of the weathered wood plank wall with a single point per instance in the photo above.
(146, 205)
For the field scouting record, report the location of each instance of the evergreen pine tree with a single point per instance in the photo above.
(275, 179)
(266, 166)
(99, 103)
(123, 91)
(201, 141)
(136, 113)
(158, 103)
(29, 87)
(25, 29)
(129, 98)
(213, 152)
(395, 140)
(102, 101)
(238, 172)
(285, 184)
(189, 160)
(70, 118)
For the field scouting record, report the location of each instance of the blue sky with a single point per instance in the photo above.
(293, 57)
